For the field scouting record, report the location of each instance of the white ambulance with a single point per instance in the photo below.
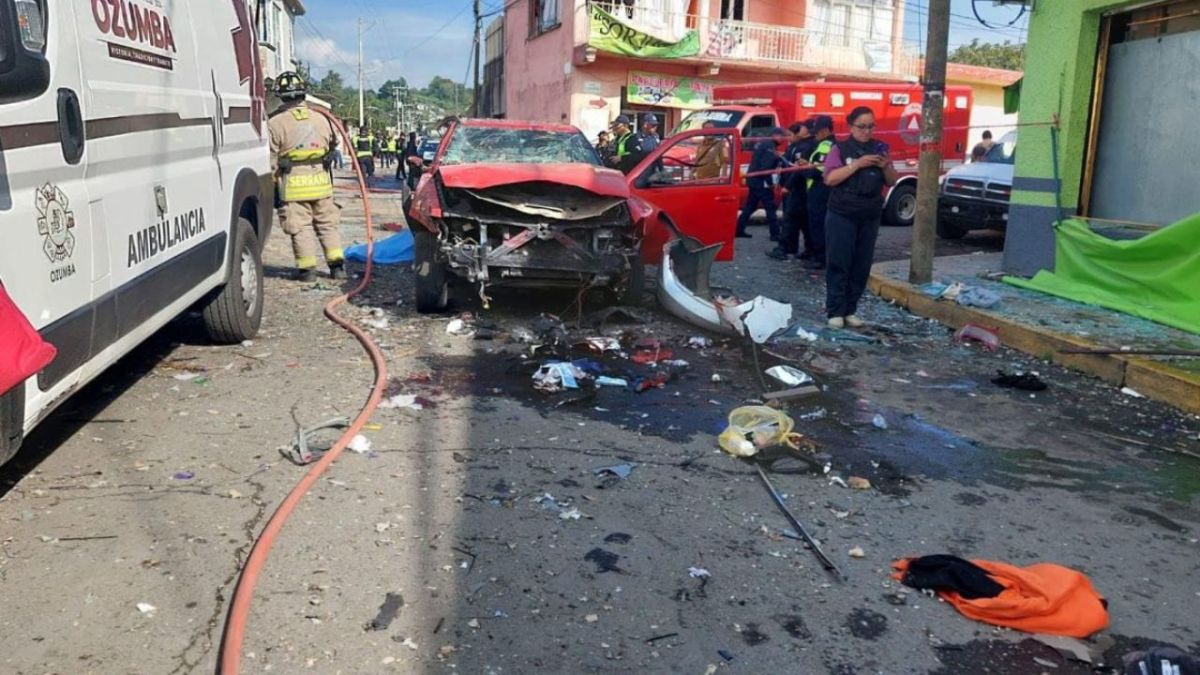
(134, 180)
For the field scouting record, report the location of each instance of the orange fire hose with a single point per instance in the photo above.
(235, 626)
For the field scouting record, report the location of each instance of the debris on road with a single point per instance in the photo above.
(460, 327)
(974, 296)
(752, 428)
(299, 452)
(359, 444)
(375, 318)
(183, 475)
(879, 421)
(857, 552)
(147, 609)
(388, 612)
(408, 401)
(1022, 381)
(975, 333)
(605, 381)
(649, 350)
(605, 561)
(601, 345)
(698, 573)
(1129, 391)
(858, 483)
(699, 342)
(621, 471)
(789, 376)
(808, 538)
(557, 376)
(790, 394)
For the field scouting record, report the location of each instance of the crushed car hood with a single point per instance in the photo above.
(603, 182)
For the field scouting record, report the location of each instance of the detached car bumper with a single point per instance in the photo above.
(973, 214)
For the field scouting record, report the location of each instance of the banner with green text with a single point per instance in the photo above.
(610, 34)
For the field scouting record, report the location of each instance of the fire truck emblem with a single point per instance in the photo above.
(55, 222)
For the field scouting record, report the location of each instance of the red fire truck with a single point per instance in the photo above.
(755, 109)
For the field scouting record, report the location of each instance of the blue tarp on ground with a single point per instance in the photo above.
(397, 248)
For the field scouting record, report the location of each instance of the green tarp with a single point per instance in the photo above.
(1156, 277)
(610, 34)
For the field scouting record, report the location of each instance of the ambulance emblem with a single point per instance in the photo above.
(55, 222)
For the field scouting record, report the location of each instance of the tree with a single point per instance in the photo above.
(1008, 56)
(385, 89)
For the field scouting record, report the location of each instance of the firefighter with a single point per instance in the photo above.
(362, 152)
(302, 144)
(389, 155)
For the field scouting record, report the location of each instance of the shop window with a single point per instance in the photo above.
(543, 16)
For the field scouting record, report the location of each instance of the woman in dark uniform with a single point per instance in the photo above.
(856, 170)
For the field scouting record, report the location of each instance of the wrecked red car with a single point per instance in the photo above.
(528, 204)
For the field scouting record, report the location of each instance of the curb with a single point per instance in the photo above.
(1154, 379)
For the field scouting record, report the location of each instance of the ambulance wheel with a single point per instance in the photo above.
(902, 206)
(12, 421)
(235, 313)
(433, 289)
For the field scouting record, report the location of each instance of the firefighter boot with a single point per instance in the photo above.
(306, 275)
(337, 270)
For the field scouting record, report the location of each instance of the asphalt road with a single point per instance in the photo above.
(149, 486)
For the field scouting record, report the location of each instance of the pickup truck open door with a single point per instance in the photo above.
(693, 178)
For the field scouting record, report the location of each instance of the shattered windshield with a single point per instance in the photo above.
(471, 145)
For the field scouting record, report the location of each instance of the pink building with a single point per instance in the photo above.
(556, 69)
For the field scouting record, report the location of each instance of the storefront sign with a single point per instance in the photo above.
(668, 91)
(610, 34)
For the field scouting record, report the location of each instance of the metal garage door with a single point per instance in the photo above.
(1146, 165)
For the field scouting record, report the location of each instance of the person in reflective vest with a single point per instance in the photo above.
(389, 154)
(362, 151)
(302, 144)
(817, 193)
(625, 155)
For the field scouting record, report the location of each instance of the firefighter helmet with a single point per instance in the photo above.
(290, 86)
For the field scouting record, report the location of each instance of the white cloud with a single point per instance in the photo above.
(323, 50)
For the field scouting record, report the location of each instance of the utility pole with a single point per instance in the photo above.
(920, 270)
(478, 39)
(361, 111)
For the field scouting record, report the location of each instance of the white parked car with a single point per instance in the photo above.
(975, 196)
(134, 181)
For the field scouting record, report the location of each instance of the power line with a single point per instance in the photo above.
(324, 41)
(439, 30)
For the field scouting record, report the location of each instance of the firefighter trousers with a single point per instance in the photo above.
(308, 222)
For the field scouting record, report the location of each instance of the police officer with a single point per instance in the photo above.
(817, 191)
(648, 138)
(856, 170)
(762, 188)
(624, 145)
(302, 144)
(363, 152)
(795, 201)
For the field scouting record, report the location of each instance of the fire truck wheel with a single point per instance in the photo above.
(901, 206)
(235, 312)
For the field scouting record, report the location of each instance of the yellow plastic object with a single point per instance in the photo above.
(754, 427)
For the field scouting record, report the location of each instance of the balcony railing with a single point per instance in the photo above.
(787, 47)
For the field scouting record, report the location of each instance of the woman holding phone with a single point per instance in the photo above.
(856, 170)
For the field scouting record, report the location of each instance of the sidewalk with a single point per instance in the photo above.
(1042, 325)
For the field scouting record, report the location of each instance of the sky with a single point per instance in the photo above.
(418, 39)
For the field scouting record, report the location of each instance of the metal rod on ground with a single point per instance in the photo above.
(1139, 352)
(812, 543)
(925, 223)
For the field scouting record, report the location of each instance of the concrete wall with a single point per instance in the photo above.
(537, 68)
(1060, 64)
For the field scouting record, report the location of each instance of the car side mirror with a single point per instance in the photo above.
(24, 70)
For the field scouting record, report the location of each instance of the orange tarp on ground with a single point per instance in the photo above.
(1041, 598)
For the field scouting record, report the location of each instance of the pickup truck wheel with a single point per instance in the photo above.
(949, 230)
(902, 206)
(634, 290)
(235, 312)
(432, 287)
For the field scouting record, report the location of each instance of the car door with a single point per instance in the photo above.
(693, 178)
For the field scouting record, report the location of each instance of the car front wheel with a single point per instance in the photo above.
(432, 284)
